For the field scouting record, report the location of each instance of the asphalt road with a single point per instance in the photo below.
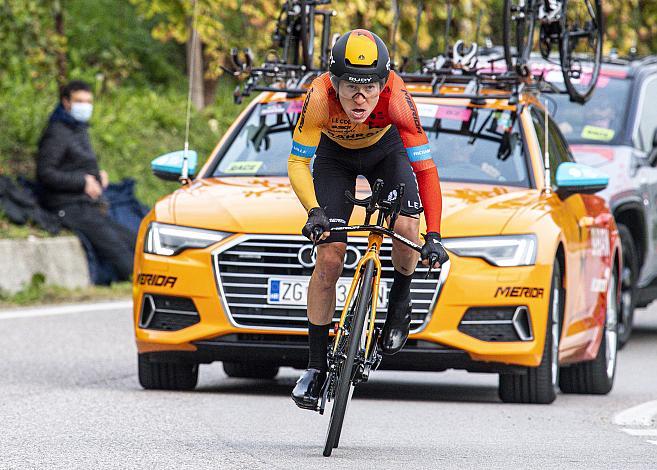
(69, 398)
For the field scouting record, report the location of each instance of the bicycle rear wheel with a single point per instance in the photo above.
(345, 385)
(582, 33)
(519, 21)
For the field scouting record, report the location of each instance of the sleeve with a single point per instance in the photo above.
(52, 150)
(404, 115)
(305, 140)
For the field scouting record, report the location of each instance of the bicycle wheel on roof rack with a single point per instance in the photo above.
(582, 33)
(518, 32)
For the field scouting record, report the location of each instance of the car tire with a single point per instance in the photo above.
(538, 385)
(597, 376)
(629, 276)
(166, 375)
(250, 370)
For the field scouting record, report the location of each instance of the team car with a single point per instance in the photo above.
(616, 132)
(530, 293)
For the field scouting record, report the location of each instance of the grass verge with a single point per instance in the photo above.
(37, 292)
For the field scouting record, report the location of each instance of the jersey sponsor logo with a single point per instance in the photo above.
(528, 292)
(411, 105)
(300, 150)
(157, 280)
(302, 118)
(419, 153)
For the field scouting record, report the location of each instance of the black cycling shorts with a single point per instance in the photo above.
(336, 168)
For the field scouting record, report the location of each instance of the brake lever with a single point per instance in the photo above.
(315, 234)
(432, 260)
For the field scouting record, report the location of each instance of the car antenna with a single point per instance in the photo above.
(184, 174)
(548, 183)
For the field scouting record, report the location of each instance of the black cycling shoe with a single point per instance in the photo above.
(396, 328)
(308, 388)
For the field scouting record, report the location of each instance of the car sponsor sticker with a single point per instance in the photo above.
(278, 107)
(455, 113)
(295, 107)
(427, 110)
(520, 291)
(600, 242)
(598, 133)
(237, 168)
(157, 280)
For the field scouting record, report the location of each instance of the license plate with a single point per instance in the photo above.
(294, 291)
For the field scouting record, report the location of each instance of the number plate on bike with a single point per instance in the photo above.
(293, 290)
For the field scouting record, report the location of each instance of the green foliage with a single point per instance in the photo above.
(111, 41)
(38, 292)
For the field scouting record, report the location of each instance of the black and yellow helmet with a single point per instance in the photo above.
(359, 56)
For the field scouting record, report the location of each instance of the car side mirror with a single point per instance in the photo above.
(171, 166)
(576, 178)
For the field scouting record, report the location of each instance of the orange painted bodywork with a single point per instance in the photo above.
(243, 205)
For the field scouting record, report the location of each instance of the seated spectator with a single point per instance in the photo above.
(73, 184)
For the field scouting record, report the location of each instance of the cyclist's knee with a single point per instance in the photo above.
(408, 227)
(330, 258)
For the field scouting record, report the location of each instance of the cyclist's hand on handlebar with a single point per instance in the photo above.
(318, 226)
(433, 251)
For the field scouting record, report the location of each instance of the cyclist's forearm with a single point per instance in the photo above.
(429, 187)
(298, 169)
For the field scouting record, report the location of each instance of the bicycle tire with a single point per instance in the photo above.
(345, 385)
(524, 39)
(565, 54)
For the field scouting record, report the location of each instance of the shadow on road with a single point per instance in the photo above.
(377, 389)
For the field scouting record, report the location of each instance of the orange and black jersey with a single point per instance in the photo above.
(323, 113)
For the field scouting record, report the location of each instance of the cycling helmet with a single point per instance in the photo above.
(359, 56)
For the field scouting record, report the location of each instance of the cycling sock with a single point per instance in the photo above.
(401, 287)
(318, 337)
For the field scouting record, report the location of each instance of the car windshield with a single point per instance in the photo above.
(601, 119)
(480, 146)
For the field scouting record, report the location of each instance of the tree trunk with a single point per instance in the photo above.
(195, 66)
(60, 52)
(392, 40)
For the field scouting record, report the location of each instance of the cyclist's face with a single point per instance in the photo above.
(358, 101)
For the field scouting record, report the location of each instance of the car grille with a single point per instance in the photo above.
(497, 324)
(242, 270)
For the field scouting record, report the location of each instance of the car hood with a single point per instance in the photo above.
(268, 205)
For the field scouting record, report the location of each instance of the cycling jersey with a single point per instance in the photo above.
(322, 113)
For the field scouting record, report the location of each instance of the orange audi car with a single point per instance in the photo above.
(530, 293)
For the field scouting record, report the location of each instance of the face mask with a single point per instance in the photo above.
(82, 111)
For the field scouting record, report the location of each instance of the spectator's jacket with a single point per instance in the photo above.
(65, 157)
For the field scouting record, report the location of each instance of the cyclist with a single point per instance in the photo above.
(358, 119)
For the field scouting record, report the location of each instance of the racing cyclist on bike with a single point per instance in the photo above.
(358, 119)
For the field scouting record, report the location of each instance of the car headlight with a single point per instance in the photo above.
(169, 240)
(505, 250)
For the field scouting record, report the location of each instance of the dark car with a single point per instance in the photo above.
(616, 131)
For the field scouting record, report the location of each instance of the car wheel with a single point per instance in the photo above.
(597, 376)
(539, 384)
(250, 370)
(166, 375)
(629, 276)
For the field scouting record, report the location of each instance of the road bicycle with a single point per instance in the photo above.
(574, 27)
(354, 352)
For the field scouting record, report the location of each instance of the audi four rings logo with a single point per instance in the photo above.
(307, 258)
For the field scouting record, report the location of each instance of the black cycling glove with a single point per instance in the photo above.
(434, 247)
(317, 220)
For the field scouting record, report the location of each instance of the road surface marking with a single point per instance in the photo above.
(64, 309)
(640, 415)
(652, 442)
(641, 432)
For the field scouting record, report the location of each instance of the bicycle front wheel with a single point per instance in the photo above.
(519, 20)
(582, 33)
(345, 385)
